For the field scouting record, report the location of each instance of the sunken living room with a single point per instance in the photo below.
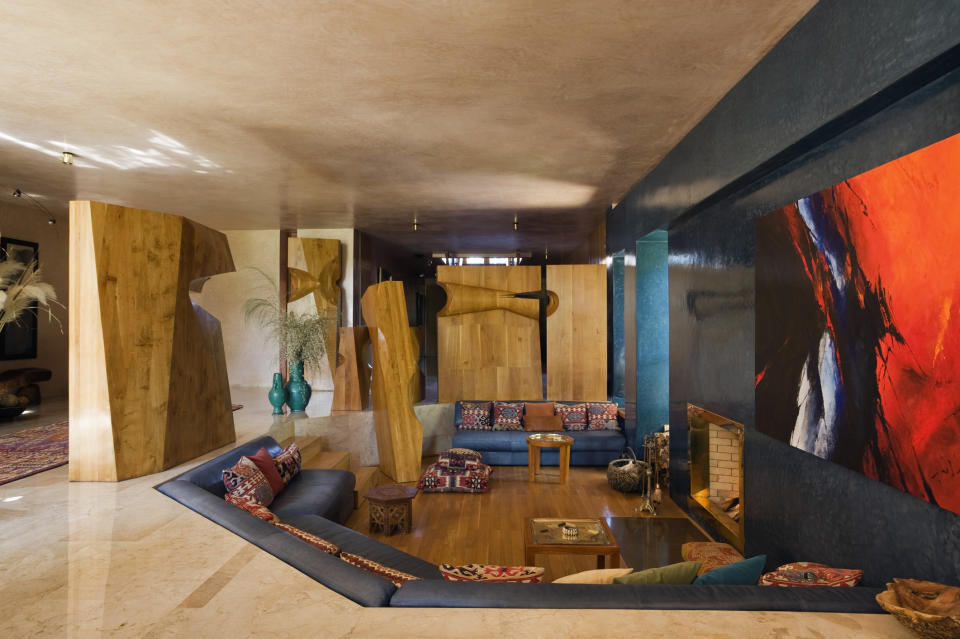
(489, 319)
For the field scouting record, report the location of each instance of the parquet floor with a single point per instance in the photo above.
(458, 528)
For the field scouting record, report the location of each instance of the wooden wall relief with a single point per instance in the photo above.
(351, 380)
(488, 342)
(577, 333)
(314, 267)
(148, 376)
(395, 354)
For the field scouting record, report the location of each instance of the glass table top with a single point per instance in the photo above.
(591, 532)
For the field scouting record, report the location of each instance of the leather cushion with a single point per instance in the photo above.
(536, 423)
(314, 492)
(539, 409)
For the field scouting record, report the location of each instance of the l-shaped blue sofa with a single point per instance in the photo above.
(320, 501)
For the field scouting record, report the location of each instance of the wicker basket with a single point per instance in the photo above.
(927, 626)
(626, 474)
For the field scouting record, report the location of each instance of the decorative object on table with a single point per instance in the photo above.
(301, 338)
(570, 531)
(22, 292)
(391, 508)
(277, 394)
(930, 609)
(626, 473)
(33, 450)
(539, 441)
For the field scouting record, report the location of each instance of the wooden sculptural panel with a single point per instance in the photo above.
(351, 380)
(314, 267)
(148, 375)
(577, 333)
(488, 342)
(395, 355)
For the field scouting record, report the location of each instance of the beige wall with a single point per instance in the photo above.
(29, 223)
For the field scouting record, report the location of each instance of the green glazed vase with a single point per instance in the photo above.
(298, 389)
(277, 395)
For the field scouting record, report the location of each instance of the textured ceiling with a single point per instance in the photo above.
(243, 114)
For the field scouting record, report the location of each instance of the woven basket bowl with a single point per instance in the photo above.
(927, 626)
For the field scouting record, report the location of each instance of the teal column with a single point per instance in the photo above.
(618, 342)
(653, 337)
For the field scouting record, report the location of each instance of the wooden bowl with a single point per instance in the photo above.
(927, 626)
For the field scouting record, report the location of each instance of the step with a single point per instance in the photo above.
(367, 478)
(339, 459)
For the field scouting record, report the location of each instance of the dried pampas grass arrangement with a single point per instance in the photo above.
(21, 286)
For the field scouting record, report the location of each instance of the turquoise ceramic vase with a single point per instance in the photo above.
(277, 395)
(298, 390)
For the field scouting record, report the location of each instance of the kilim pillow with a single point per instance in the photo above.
(710, 554)
(805, 573)
(439, 479)
(602, 416)
(475, 415)
(252, 507)
(508, 416)
(244, 480)
(310, 538)
(264, 462)
(462, 460)
(491, 573)
(397, 577)
(288, 463)
(538, 409)
(574, 416)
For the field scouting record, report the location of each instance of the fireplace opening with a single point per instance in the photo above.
(716, 471)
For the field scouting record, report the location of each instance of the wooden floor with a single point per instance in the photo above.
(458, 528)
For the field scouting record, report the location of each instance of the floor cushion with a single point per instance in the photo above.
(439, 479)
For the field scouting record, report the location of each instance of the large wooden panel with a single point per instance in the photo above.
(351, 380)
(488, 344)
(577, 333)
(148, 375)
(314, 267)
(395, 354)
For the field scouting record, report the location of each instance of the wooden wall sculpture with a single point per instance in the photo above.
(395, 354)
(488, 342)
(148, 376)
(577, 333)
(351, 380)
(314, 267)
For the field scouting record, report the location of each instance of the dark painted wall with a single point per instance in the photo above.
(653, 328)
(823, 73)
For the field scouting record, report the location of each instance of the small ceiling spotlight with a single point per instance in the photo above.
(416, 227)
(515, 226)
(17, 193)
(66, 157)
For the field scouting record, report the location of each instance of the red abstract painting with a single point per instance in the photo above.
(858, 323)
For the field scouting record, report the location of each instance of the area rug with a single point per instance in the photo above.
(33, 451)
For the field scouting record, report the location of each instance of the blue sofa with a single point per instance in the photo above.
(509, 447)
(319, 501)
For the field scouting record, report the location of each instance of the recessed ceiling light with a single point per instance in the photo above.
(7, 499)
(66, 157)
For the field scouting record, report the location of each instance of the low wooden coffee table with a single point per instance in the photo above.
(545, 536)
(538, 441)
(391, 508)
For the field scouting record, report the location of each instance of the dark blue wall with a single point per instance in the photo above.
(653, 327)
(846, 90)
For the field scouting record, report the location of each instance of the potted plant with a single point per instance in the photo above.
(300, 337)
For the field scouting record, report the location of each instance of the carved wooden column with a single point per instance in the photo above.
(148, 376)
(320, 276)
(399, 432)
(351, 380)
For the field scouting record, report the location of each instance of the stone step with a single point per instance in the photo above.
(339, 459)
(367, 478)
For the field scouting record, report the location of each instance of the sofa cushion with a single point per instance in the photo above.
(264, 462)
(574, 416)
(396, 577)
(245, 481)
(806, 574)
(310, 538)
(538, 424)
(508, 416)
(741, 573)
(256, 509)
(288, 462)
(491, 573)
(599, 576)
(538, 409)
(475, 416)
(209, 475)
(316, 492)
(602, 415)
(461, 460)
(680, 574)
(710, 554)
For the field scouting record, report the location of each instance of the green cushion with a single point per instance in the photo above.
(741, 573)
(679, 574)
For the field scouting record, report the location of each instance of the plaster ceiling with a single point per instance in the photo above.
(245, 114)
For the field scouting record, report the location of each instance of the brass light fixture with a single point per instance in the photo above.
(66, 157)
(416, 226)
(515, 227)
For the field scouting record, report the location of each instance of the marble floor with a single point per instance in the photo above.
(122, 560)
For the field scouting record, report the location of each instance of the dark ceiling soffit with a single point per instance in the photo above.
(910, 83)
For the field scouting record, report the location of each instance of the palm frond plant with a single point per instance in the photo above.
(21, 286)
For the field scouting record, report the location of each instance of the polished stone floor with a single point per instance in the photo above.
(122, 560)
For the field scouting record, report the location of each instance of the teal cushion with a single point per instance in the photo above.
(741, 573)
(679, 574)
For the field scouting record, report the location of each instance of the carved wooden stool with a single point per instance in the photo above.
(391, 508)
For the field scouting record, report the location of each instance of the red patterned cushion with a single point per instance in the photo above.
(461, 458)
(245, 480)
(264, 462)
(252, 507)
(438, 479)
(475, 415)
(508, 416)
(310, 538)
(491, 573)
(574, 416)
(396, 576)
(710, 554)
(805, 573)
(602, 416)
(288, 463)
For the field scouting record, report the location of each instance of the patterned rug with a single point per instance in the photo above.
(33, 451)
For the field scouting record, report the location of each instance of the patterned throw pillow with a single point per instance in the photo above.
(397, 577)
(439, 479)
(288, 463)
(475, 415)
(491, 573)
(805, 573)
(599, 576)
(602, 416)
(710, 554)
(460, 458)
(508, 416)
(574, 416)
(244, 480)
(310, 538)
(252, 507)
